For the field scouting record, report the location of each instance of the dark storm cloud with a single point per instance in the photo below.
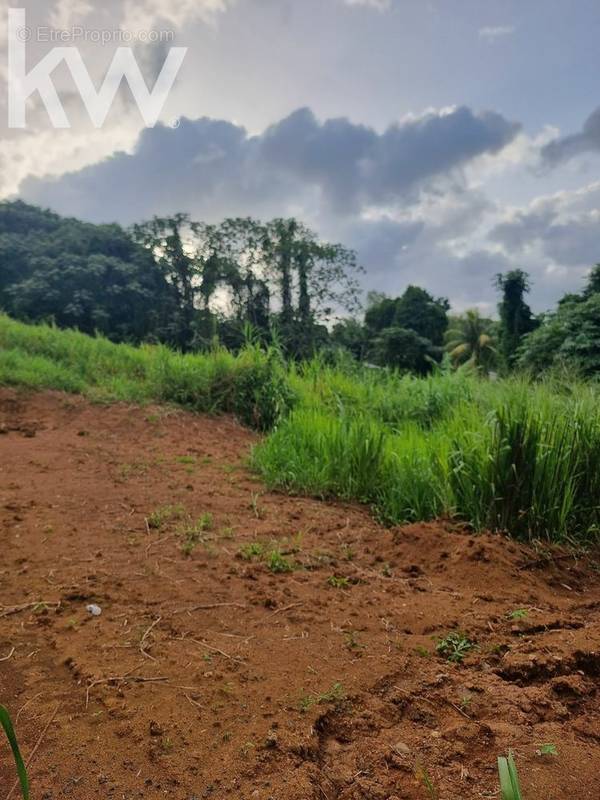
(587, 140)
(567, 239)
(524, 228)
(356, 166)
(214, 168)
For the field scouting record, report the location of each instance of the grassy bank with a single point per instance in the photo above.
(252, 385)
(509, 455)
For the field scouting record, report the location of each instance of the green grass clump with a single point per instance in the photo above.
(252, 550)
(160, 517)
(277, 563)
(7, 726)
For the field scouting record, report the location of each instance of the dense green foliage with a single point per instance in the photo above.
(192, 285)
(506, 455)
(406, 333)
(516, 319)
(568, 338)
(90, 277)
(174, 280)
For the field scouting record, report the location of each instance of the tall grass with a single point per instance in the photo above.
(511, 455)
(252, 385)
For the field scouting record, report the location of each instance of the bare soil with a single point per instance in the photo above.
(210, 676)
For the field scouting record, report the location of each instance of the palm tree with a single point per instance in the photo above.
(469, 341)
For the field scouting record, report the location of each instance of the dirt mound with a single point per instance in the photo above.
(253, 645)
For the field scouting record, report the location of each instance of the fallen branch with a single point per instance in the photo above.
(9, 610)
(10, 655)
(146, 633)
(209, 607)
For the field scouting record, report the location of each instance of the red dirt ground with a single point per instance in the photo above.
(208, 676)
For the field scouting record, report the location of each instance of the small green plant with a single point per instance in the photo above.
(422, 651)
(7, 726)
(161, 516)
(547, 750)
(185, 460)
(465, 702)
(518, 613)
(193, 532)
(338, 582)
(347, 552)
(422, 774)
(352, 641)
(252, 550)
(276, 562)
(333, 695)
(454, 647)
(510, 788)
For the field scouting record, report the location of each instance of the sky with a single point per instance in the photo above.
(445, 140)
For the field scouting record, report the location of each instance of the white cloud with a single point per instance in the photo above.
(380, 5)
(148, 14)
(68, 12)
(494, 32)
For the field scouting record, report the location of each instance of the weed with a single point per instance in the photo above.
(352, 641)
(277, 563)
(186, 459)
(547, 750)
(422, 651)
(465, 702)
(7, 726)
(252, 550)
(348, 553)
(193, 532)
(335, 694)
(338, 582)
(423, 776)
(518, 613)
(163, 515)
(454, 647)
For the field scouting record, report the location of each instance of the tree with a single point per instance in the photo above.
(350, 335)
(315, 280)
(380, 313)
(404, 349)
(569, 337)
(167, 239)
(469, 341)
(91, 277)
(593, 284)
(418, 311)
(516, 319)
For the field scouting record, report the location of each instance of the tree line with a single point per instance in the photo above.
(191, 284)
